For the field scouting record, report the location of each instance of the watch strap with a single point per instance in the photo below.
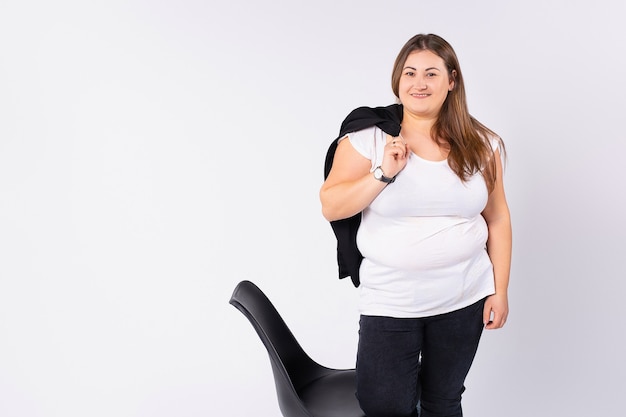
(382, 177)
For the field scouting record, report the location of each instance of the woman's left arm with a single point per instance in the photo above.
(499, 244)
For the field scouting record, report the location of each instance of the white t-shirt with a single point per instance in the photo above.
(423, 238)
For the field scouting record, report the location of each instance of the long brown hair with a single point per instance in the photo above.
(468, 139)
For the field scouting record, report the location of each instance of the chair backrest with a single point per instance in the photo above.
(291, 365)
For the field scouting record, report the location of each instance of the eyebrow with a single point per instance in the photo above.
(427, 69)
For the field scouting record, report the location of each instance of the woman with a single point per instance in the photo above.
(434, 233)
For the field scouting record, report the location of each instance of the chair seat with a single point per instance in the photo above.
(332, 395)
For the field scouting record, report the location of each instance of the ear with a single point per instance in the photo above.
(452, 80)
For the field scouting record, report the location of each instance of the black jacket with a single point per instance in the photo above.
(388, 119)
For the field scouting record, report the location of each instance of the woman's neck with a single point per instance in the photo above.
(417, 133)
(417, 125)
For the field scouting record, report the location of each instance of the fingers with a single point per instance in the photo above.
(496, 322)
(487, 315)
(395, 156)
(494, 314)
(397, 148)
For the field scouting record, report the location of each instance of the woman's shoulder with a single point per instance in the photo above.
(495, 141)
(367, 141)
(487, 135)
(367, 134)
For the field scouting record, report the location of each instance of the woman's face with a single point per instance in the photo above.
(424, 84)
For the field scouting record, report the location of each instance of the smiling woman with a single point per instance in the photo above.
(155, 153)
(424, 83)
(434, 235)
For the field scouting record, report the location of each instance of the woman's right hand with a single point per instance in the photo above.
(350, 185)
(395, 156)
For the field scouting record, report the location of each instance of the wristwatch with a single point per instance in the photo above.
(380, 176)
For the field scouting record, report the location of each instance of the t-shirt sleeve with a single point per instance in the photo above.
(495, 143)
(368, 142)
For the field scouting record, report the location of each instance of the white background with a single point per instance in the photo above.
(154, 154)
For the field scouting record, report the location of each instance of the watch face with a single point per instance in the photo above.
(378, 173)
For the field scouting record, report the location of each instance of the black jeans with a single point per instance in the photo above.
(391, 381)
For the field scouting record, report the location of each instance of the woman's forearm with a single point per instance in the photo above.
(346, 199)
(499, 247)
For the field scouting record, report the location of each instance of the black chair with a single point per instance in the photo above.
(304, 387)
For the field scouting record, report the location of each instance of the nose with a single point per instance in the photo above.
(420, 83)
